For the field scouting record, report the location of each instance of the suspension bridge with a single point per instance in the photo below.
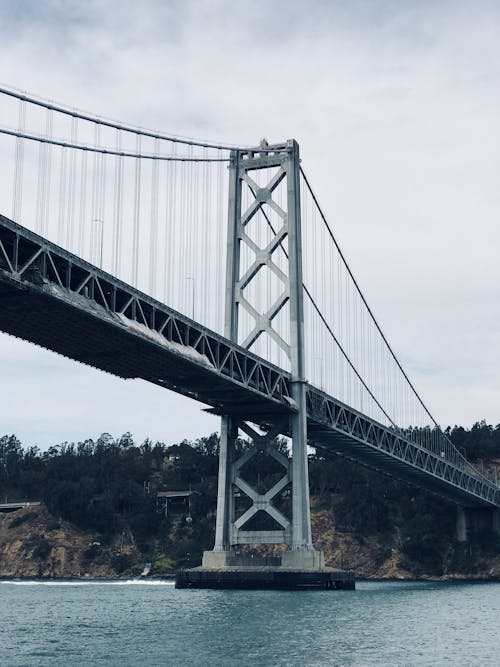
(212, 270)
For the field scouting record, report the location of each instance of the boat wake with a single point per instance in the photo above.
(92, 582)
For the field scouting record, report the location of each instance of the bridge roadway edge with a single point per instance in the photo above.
(39, 302)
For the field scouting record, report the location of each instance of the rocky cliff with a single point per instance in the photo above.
(373, 558)
(33, 543)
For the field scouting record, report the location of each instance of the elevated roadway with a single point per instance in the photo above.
(54, 299)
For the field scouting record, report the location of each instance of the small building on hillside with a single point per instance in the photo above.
(174, 504)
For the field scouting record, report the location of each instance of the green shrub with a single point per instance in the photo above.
(324, 503)
(163, 565)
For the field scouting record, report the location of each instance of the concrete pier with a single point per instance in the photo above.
(261, 578)
(262, 518)
(294, 570)
(473, 520)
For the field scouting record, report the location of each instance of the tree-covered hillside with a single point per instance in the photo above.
(109, 486)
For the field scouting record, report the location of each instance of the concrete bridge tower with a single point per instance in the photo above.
(282, 234)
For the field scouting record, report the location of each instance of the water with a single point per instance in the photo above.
(150, 623)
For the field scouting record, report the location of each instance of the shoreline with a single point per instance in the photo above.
(171, 577)
(68, 555)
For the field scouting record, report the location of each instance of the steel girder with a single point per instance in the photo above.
(335, 426)
(264, 444)
(30, 263)
(44, 289)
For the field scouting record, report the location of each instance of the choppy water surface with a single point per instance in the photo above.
(151, 623)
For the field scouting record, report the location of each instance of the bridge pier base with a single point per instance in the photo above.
(472, 520)
(303, 560)
(294, 570)
(280, 514)
(217, 559)
(290, 559)
(265, 578)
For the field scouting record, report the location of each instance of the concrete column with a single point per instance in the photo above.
(301, 520)
(285, 158)
(461, 524)
(469, 521)
(224, 514)
(224, 488)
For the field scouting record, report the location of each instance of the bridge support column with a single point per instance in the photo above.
(461, 524)
(301, 526)
(224, 494)
(221, 553)
(267, 179)
(474, 520)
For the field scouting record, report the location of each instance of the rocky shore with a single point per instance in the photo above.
(33, 543)
(370, 558)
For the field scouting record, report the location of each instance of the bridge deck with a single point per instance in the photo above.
(58, 301)
(13, 507)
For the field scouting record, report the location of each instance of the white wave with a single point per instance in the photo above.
(93, 582)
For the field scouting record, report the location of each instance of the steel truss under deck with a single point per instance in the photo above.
(53, 298)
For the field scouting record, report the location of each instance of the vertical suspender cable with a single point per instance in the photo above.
(19, 165)
(153, 231)
(117, 207)
(171, 216)
(72, 187)
(194, 245)
(102, 210)
(221, 220)
(41, 187)
(204, 213)
(48, 180)
(62, 220)
(82, 222)
(137, 213)
(95, 197)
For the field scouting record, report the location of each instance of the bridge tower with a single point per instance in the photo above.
(271, 178)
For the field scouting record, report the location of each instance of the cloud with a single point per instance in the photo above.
(48, 399)
(396, 107)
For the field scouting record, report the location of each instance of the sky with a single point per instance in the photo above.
(395, 106)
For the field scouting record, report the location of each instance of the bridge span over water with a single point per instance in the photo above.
(125, 276)
(58, 301)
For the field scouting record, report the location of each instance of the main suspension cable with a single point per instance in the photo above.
(109, 123)
(109, 151)
(330, 232)
(329, 329)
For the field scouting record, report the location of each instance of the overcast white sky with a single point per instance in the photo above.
(396, 106)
